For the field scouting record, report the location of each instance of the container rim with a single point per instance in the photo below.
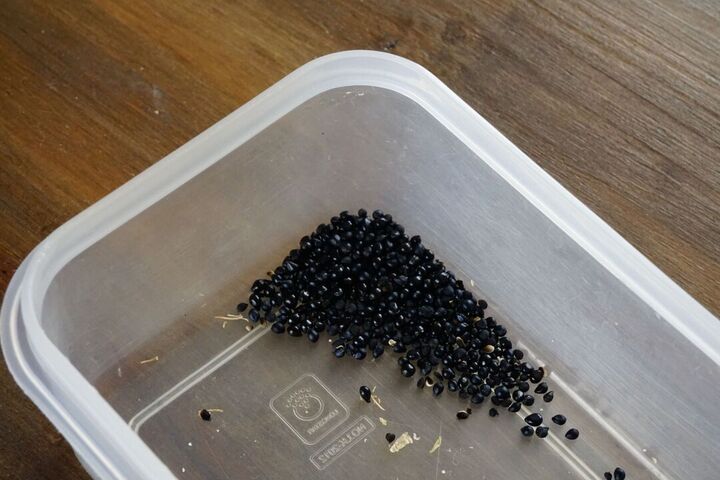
(100, 436)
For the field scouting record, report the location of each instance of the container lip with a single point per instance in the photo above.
(351, 68)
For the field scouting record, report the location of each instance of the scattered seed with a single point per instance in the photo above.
(241, 307)
(492, 412)
(619, 474)
(527, 431)
(436, 445)
(608, 476)
(462, 415)
(390, 437)
(365, 393)
(548, 397)
(534, 419)
(401, 442)
(528, 400)
(515, 407)
(572, 434)
(205, 415)
(559, 419)
(542, 432)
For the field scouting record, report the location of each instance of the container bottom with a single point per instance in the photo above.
(284, 408)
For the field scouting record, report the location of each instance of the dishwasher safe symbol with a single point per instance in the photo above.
(309, 409)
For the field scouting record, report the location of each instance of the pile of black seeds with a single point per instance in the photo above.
(371, 288)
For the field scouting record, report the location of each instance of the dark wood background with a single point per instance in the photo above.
(620, 101)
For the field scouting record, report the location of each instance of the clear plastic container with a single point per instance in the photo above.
(110, 325)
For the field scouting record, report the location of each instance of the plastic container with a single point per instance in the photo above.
(109, 325)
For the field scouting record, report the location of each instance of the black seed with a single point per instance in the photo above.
(390, 437)
(527, 431)
(502, 392)
(312, 335)
(619, 474)
(254, 301)
(534, 419)
(253, 315)
(438, 389)
(523, 386)
(408, 370)
(608, 476)
(462, 415)
(486, 390)
(572, 434)
(537, 375)
(492, 412)
(515, 407)
(542, 388)
(241, 307)
(528, 400)
(518, 395)
(548, 397)
(340, 351)
(205, 415)
(559, 419)
(448, 373)
(477, 399)
(365, 393)
(542, 432)
(278, 327)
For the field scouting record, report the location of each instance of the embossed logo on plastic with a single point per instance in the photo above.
(309, 409)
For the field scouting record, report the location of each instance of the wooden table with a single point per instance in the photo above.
(620, 101)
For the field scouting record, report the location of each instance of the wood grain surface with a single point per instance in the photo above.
(619, 101)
